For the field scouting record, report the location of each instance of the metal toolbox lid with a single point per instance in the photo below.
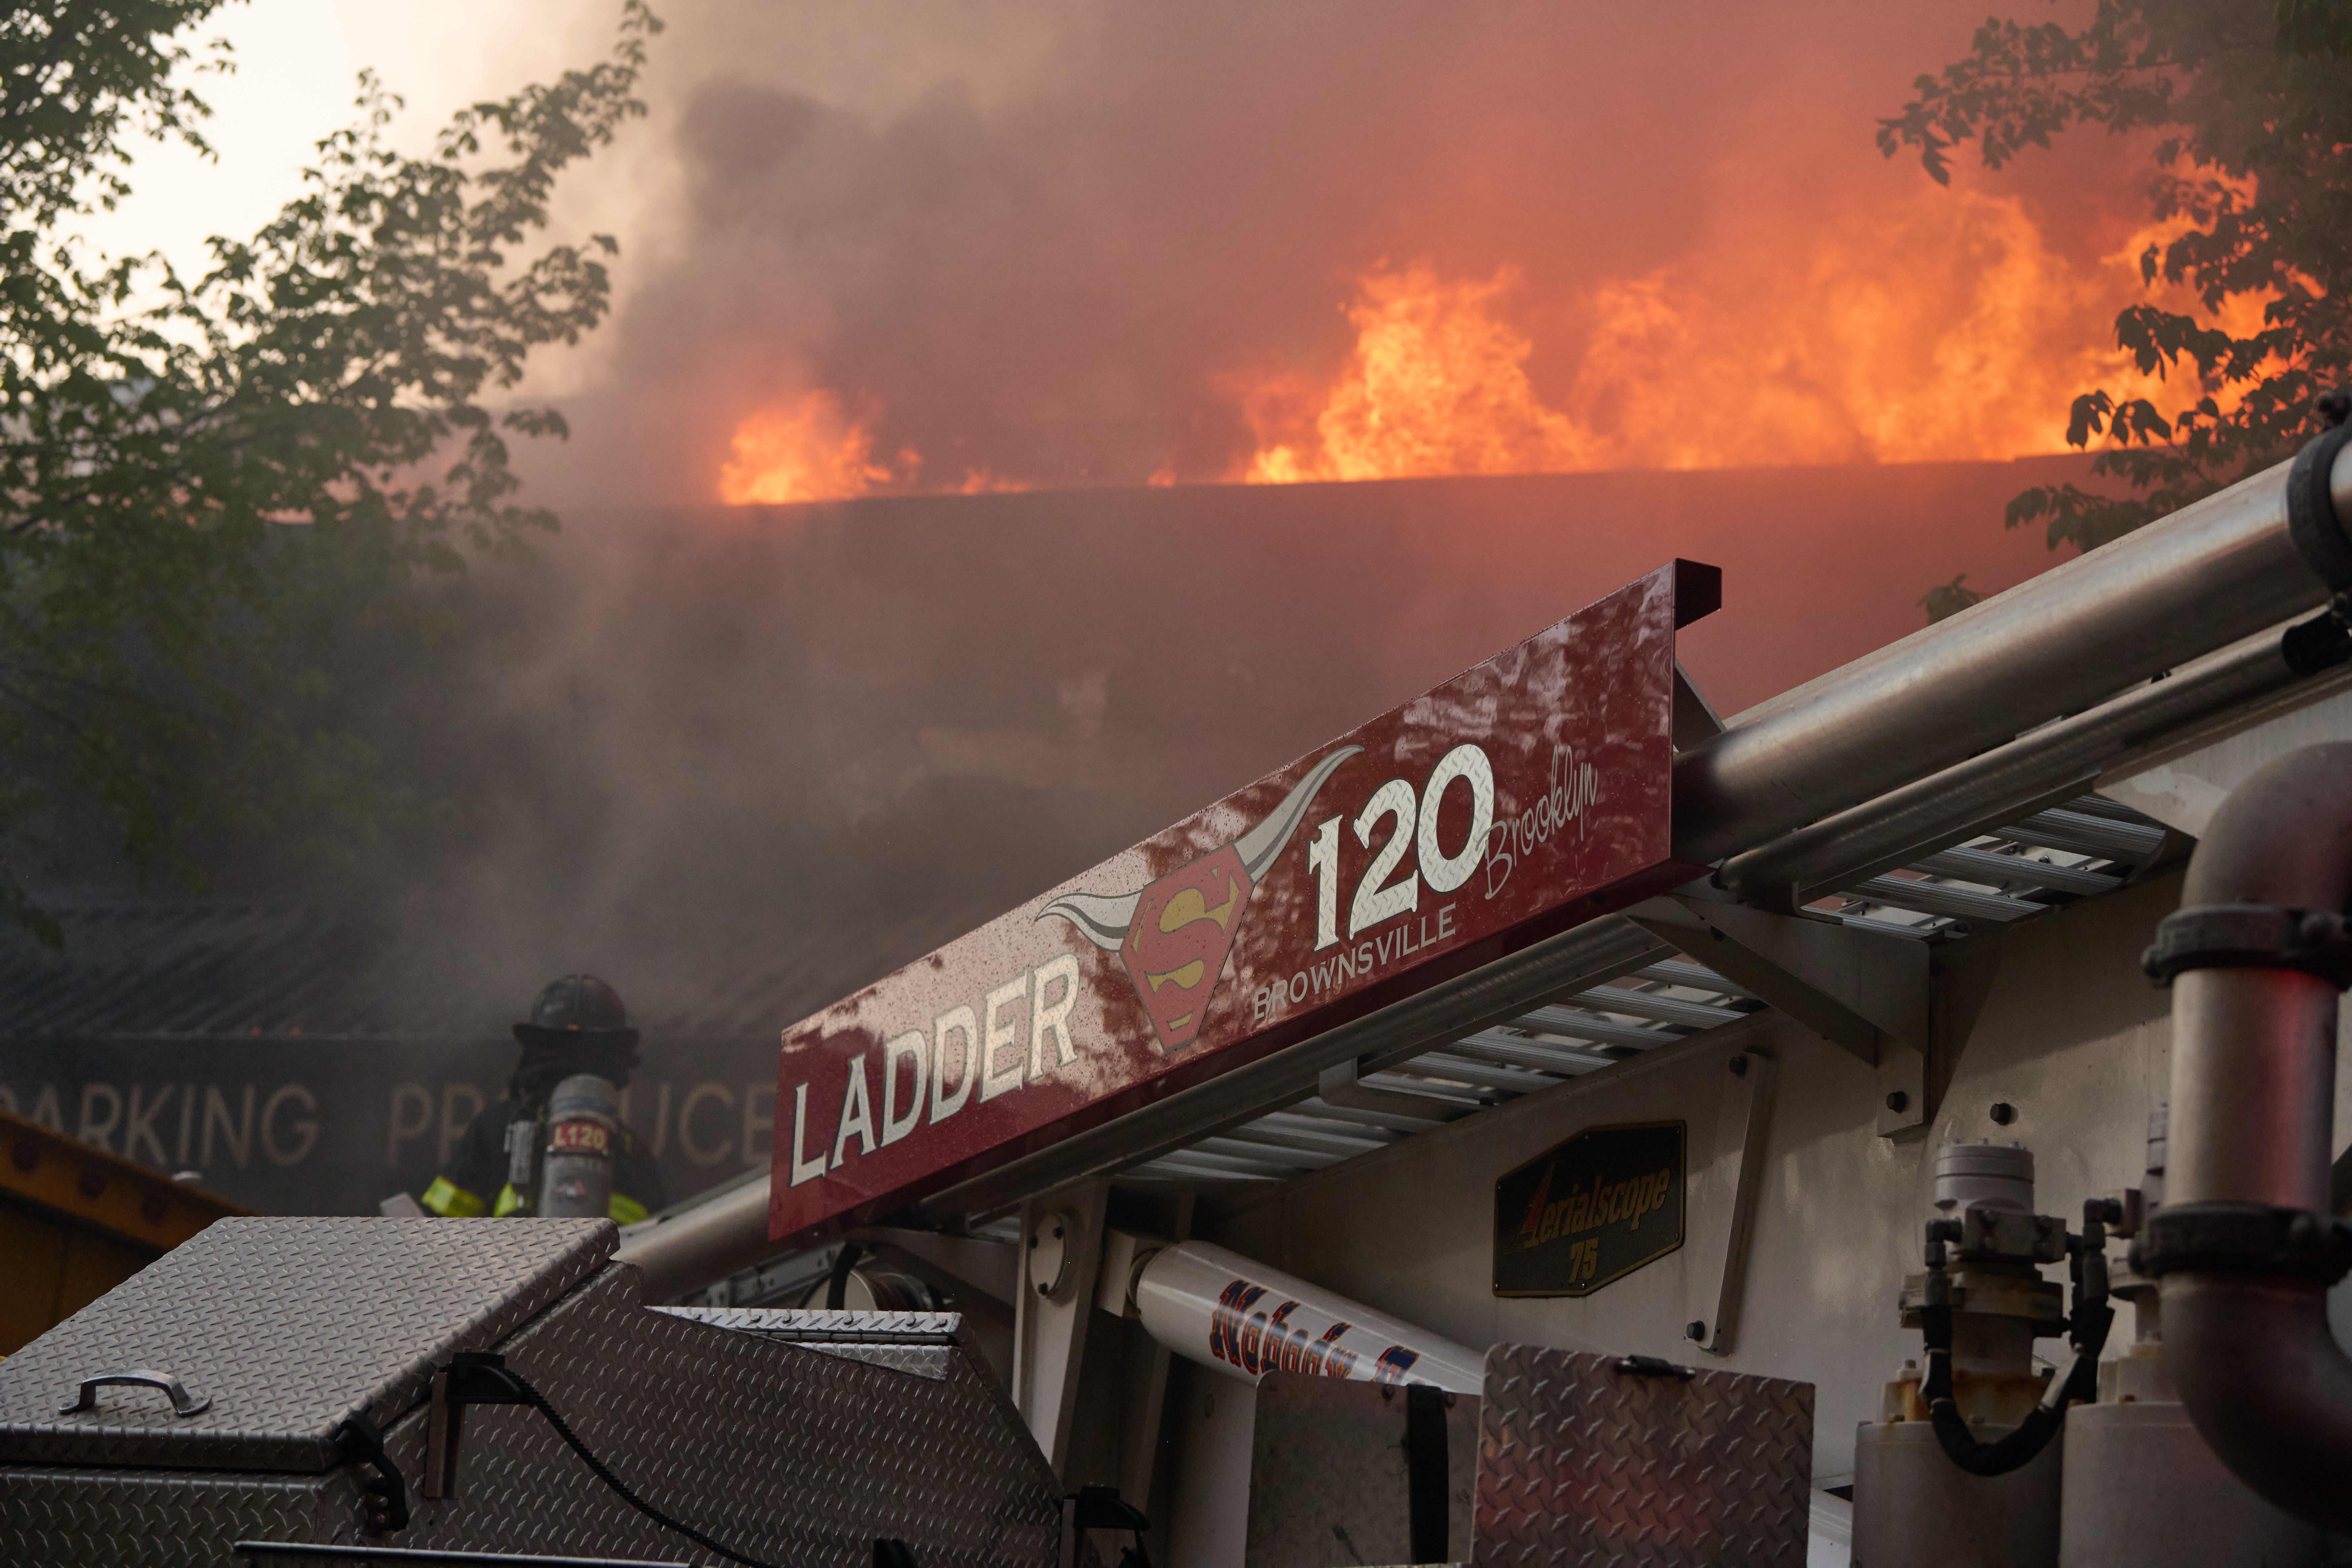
(1601, 1458)
(286, 1325)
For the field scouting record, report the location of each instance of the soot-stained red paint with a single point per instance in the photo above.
(1528, 794)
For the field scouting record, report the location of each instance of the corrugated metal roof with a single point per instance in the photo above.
(217, 970)
(192, 969)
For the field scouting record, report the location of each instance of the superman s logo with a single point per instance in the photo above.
(1173, 936)
(1176, 944)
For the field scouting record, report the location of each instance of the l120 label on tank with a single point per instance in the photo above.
(1591, 1211)
(1528, 794)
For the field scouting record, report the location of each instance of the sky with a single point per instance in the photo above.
(296, 78)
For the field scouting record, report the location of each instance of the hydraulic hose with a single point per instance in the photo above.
(2017, 1449)
(2087, 1326)
(512, 1388)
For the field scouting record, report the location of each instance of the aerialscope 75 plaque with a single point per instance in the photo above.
(1591, 1211)
(1528, 794)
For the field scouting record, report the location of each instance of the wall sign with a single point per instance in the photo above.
(336, 1126)
(1528, 794)
(1605, 1202)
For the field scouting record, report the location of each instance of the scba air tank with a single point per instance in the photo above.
(583, 1121)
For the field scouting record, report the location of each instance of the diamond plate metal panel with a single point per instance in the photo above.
(101, 1519)
(803, 1325)
(780, 1451)
(783, 1452)
(933, 1362)
(286, 1324)
(923, 1344)
(1582, 1463)
(788, 1452)
(1328, 1474)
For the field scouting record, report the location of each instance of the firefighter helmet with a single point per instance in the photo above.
(577, 1009)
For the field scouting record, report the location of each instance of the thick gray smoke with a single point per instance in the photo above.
(1050, 244)
(744, 762)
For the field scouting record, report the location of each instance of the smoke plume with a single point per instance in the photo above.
(742, 758)
(742, 761)
(920, 249)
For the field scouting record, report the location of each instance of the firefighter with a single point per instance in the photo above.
(577, 1025)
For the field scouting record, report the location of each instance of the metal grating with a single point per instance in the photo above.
(2086, 848)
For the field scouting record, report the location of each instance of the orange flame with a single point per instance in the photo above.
(808, 449)
(1924, 325)
(1437, 386)
(1945, 329)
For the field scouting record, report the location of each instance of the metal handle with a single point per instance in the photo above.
(1654, 1366)
(183, 1403)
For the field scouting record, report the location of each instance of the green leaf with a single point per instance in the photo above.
(1948, 599)
(204, 482)
(2250, 120)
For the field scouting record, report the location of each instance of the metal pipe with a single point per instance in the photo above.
(698, 1245)
(2253, 1076)
(1245, 1320)
(2209, 574)
(2005, 782)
